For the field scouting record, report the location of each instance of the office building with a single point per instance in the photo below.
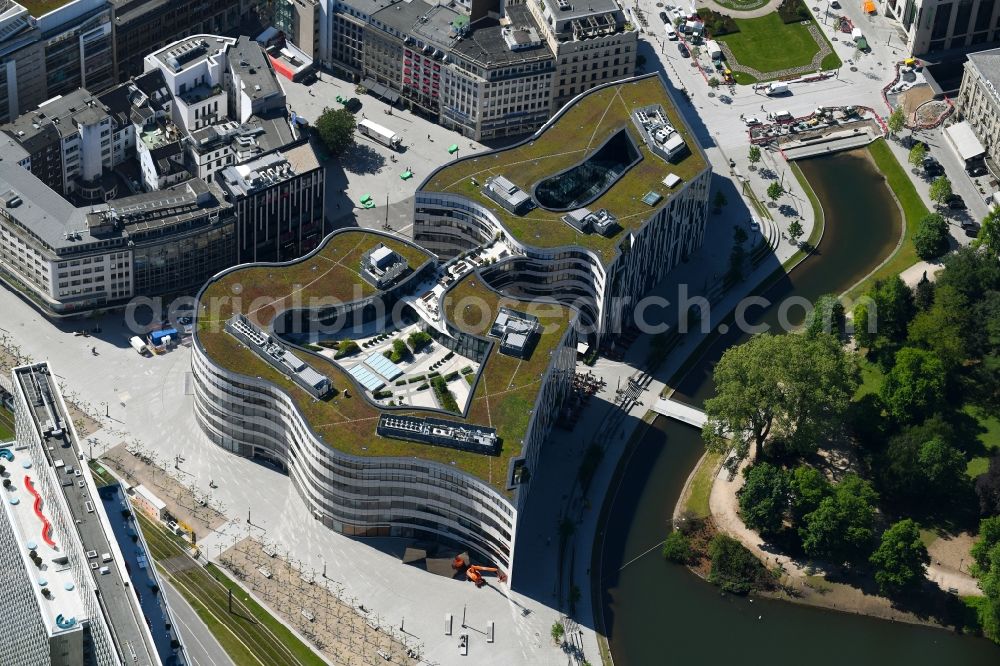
(119, 195)
(363, 466)
(68, 594)
(978, 103)
(142, 26)
(599, 231)
(929, 26)
(592, 42)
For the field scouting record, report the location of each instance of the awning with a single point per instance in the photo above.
(964, 141)
(379, 90)
(453, 148)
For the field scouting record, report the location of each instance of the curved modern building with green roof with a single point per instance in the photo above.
(436, 444)
(595, 208)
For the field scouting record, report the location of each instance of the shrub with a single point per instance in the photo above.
(418, 378)
(793, 11)
(432, 375)
(312, 347)
(401, 382)
(449, 356)
(346, 348)
(444, 395)
(451, 376)
(398, 352)
(734, 568)
(717, 24)
(423, 387)
(931, 237)
(418, 340)
(677, 548)
(379, 395)
(467, 370)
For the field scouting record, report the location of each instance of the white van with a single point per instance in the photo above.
(777, 88)
(671, 33)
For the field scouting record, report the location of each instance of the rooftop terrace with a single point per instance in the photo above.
(570, 139)
(504, 395)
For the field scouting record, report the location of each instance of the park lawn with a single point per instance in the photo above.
(871, 378)
(990, 439)
(701, 485)
(913, 211)
(768, 44)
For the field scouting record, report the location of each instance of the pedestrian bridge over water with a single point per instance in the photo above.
(680, 412)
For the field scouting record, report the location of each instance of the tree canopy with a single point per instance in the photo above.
(989, 233)
(897, 120)
(841, 529)
(775, 190)
(917, 154)
(827, 316)
(882, 316)
(335, 128)
(940, 190)
(901, 558)
(793, 388)
(931, 237)
(915, 387)
(988, 488)
(754, 154)
(764, 497)
(808, 489)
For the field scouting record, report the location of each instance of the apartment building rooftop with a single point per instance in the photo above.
(57, 117)
(504, 394)
(184, 54)
(641, 183)
(250, 61)
(437, 25)
(513, 39)
(46, 215)
(567, 10)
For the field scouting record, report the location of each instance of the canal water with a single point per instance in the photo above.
(660, 613)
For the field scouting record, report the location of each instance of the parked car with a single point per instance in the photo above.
(754, 226)
(976, 171)
(751, 121)
(956, 202)
(664, 17)
(932, 167)
(683, 50)
(971, 228)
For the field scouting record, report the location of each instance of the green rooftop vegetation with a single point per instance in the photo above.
(503, 398)
(333, 272)
(576, 135)
(40, 7)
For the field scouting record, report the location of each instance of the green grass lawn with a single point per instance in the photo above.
(6, 425)
(990, 439)
(769, 45)
(871, 377)
(249, 635)
(701, 485)
(913, 210)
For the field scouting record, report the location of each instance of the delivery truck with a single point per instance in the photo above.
(383, 135)
(777, 88)
(138, 345)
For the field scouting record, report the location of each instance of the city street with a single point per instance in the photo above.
(368, 166)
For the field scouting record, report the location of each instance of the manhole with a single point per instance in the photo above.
(711, 94)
